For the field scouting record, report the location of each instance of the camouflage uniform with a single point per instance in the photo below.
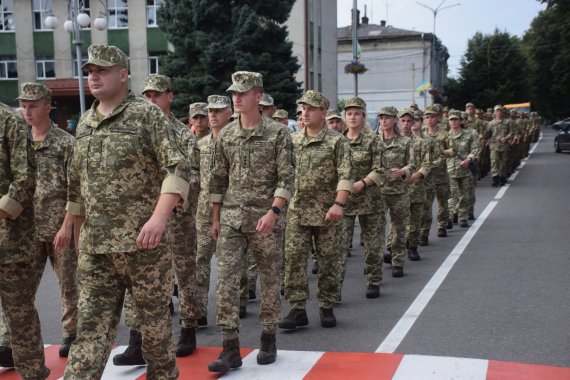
(17, 256)
(117, 173)
(497, 129)
(322, 167)
(250, 169)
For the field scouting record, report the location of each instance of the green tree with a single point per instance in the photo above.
(214, 38)
(493, 71)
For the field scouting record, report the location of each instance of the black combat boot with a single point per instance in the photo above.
(424, 240)
(203, 321)
(502, 181)
(327, 317)
(464, 224)
(455, 218)
(6, 359)
(133, 354)
(373, 291)
(186, 342)
(65, 346)
(442, 232)
(268, 350)
(413, 254)
(387, 257)
(295, 318)
(397, 271)
(495, 181)
(471, 216)
(229, 357)
(449, 224)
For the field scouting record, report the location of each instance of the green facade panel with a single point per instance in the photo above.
(156, 40)
(9, 92)
(119, 38)
(8, 44)
(43, 44)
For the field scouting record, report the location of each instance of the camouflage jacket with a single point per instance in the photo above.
(53, 159)
(17, 182)
(322, 167)
(422, 158)
(206, 147)
(439, 172)
(465, 144)
(120, 167)
(190, 142)
(396, 153)
(250, 169)
(479, 126)
(497, 130)
(363, 149)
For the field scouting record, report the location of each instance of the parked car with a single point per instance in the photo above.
(560, 124)
(562, 141)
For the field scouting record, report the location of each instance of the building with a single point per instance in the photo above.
(397, 61)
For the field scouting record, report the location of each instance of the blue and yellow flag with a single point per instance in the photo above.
(423, 86)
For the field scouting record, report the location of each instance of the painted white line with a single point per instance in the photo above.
(112, 372)
(502, 192)
(414, 367)
(290, 365)
(401, 329)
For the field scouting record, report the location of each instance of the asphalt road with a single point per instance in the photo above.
(505, 298)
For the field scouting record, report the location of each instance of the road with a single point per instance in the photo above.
(496, 291)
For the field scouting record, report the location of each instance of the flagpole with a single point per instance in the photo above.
(355, 42)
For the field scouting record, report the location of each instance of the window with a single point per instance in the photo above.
(45, 68)
(8, 68)
(83, 61)
(7, 15)
(41, 10)
(118, 14)
(153, 65)
(151, 11)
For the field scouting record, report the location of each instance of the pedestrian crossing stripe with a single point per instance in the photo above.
(312, 365)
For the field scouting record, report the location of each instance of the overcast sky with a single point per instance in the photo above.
(455, 25)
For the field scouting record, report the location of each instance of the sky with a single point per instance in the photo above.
(454, 26)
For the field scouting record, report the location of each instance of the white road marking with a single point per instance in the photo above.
(414, 367)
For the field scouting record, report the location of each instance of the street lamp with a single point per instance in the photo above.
(434, 11)
(78, 19)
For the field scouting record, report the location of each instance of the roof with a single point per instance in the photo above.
(374, 31)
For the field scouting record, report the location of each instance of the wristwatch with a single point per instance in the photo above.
(276, 210)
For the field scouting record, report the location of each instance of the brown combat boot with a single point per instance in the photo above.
(229, 357)
(268, 350)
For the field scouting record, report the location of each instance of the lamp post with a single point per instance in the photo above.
(355, 42)
(434, 11)
(78, 19)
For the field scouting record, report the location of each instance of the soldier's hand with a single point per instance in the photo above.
(335, 213)
(414, 178)
(215, 230)
(266, 223)
(62, 239)
(357, 187)
(397, 172)
(151, 233)
(465, 163)
(4, 214)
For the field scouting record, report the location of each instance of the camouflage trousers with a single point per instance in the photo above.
(441, 192)
(372, 227)
(252, 268)
(427, 218)
(499, 163)
(205, 251)
(231, 261)
(415, 223)
(298, 243)
(102, 280)
(17, 293)
(64, 265)
(398, 206)
(462, 196)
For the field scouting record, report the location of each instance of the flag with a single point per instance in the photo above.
(423, 86)
(358, 51)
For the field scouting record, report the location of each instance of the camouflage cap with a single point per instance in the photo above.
(498, 107)
(514, 112)
(198, 109)
(105, 56)
(355, 102)
(34, 91)
(414, 106)
(218, 101)
(445, 109)
(454, 114)
(431, 110)
(418, 114)
(390, 111)
(314, 99)
(333, 114)
(490, 110)
(437, 107)
(280, 114)
(406, 111)
(464, 115)
(479, 111)
(469, 105)
(299, 110)
(157, 82)
(243, 81)
(266, 100)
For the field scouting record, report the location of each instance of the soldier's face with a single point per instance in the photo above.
(417, 125)
(199, 123)
(35, 111)
(353, 117)
(455, 123)
(470, 111)
(268, 111)
(313, 116)
(282, 121)
(406, 122)
(335, 124)
(430, 119)
(245, 102)
(106, 82)
(387, 122)
(161, 99)
(218, 117)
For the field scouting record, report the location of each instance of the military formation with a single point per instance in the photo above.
(132, 210)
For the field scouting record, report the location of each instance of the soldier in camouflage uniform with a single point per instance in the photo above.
(366, 201)
(463, 148)
(198, 119)
(395, 165)
(500, 133)
(323, 181)
(17, 254)
(334, 121)
(281, 116)
(267, 105)
(250, 183)
(53, 149)
(129, 171)
(219, 112)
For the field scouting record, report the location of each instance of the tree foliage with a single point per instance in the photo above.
(214, 38)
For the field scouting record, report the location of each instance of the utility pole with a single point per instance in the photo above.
(355, 42)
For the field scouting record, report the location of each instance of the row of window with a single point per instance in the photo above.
(117, 13)
(45, 68)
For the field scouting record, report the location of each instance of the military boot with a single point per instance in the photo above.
(295, 318)
(373, 291)
(6, 359)
(495, 181)
(424, 240)
(65, 346)
(229, 357)
(268, 350)
(133, 354)
(186, 342)
(455, 218)
(413, 254)
(327, 317)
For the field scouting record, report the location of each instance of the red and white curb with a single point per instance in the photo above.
(310, 365)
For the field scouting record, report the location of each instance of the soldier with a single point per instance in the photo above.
(199, 119)
(366, 200)
(500, 133)
(282, 117)
(267, 105)
(395, 166)
(251, 181)
(219, 112)
(463, 149)
(52, 148)
(17, 254)
(129, 171)
(334, 121)
(323, 182)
